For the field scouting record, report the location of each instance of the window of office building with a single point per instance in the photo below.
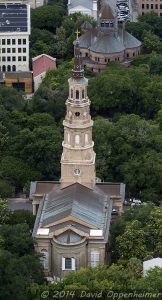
(13, 50)
(8, 41)
(3, 58)
(3, 42)
(3, 50)
(13, 41)
(24, 58)
(19, 50)
(24, 41)
(13, 58)
(19, 41)
(24, 50)
(19, 58)
(8, 58)
(8, 50)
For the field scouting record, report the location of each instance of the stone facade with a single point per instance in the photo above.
(73, 215)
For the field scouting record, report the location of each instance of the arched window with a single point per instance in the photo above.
(14, 68)
(77, 139)
(3, 68)
(86, 138)
(8, 68)
(44, 258)
(77, 94)
(83, 94)
(71, 93)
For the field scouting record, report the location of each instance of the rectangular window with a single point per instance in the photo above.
(3, 50)
(19, 41)
(143, 6)
(68, 263)
(24, 58)
(8, 50)
(156, 6)
(19, 50)
(24, 50)
(160, 6)
(13, 50)
(8, 58)
(152, 6)
(3, 58)
(13, 41)
(24, 41)
(19, 58)
(8, 41)
(147, 6)
(95, 259)
(13, 58)
(3, 42)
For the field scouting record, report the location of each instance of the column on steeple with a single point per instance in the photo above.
(78, 157)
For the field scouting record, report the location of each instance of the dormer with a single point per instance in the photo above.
(106, 17)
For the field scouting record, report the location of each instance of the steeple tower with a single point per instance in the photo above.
(78, 157)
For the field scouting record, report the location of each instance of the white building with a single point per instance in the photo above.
(86, 7)
(32, 3)
(14, 37)
(151, 263)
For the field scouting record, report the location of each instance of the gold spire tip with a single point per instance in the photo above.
(77, 33)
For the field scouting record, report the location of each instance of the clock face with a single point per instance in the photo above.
(77, 172)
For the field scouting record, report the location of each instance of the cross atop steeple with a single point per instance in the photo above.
(77, 33)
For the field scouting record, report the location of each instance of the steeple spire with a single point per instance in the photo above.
(78, 71)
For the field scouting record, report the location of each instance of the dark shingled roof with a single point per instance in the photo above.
(107, 42)
(78, 201)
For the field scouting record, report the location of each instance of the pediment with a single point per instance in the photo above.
(69, 235)
(72, 229)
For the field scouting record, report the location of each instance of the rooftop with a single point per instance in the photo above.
(13, 17)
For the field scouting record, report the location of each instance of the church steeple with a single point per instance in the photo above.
(78, 157)
(78, 71)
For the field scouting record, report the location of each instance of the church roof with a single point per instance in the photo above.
(106, 13)
(107, 42)
(78, 201)
(85, 3)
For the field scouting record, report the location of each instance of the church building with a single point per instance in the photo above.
(73, 215)
(108, 41)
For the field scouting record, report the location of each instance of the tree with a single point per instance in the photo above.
(17, 239)
(138, 29)
(22, 217)
(16, 171)
(4, 212)
(151, 42)
(152, 19)
(133, 242)
(16, 275)
(47, 17)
